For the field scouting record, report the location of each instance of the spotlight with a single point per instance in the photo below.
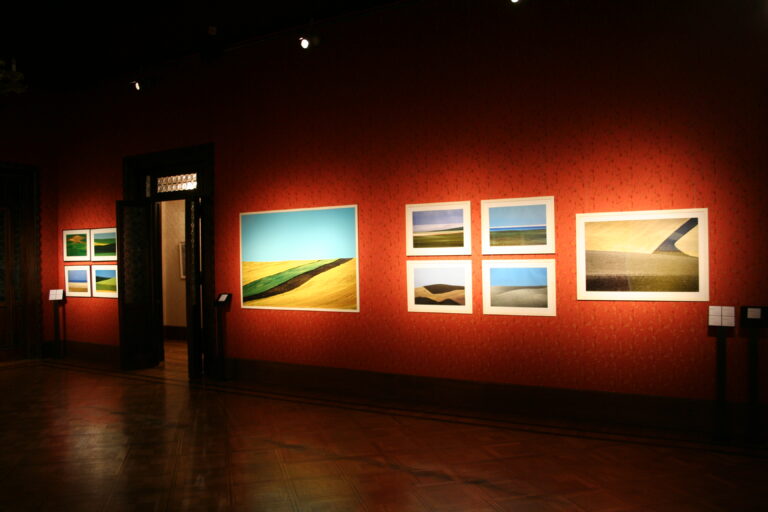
(515, 1)
(307, 42)
(136, 85)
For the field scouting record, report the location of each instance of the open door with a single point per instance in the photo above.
(140, 298)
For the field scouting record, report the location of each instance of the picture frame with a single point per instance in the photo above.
(518, 226)
(76, 244)
(520, 287)
(104, 281)
(438, 229)
(104, 244)
(654, 255)
(300, 259)
(439, 286)
(77, 280)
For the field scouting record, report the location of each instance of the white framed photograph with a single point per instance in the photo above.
(77, 280)
(439, 286)
(518, 226)
(104, 244)
(76, 244)
(659, 255)
(519, 287)
(438, 229)
(104, 280)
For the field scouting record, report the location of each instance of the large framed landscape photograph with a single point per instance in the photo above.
(104, 281)
(438, 229)
(104, 244)
(76, 244)
(303, 259)
(660, 255)
(519, 287)
(518, 226)
(77, 280)
(439, 286)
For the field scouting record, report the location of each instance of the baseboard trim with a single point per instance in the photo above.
(589, 410)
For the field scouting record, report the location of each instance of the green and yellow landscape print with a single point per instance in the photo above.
(655, 255)
(438, 228)
(76, 244)
(300, 259)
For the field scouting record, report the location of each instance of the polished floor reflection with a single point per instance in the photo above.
(85, 439)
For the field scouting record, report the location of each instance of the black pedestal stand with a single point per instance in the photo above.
(223, 302)
(722, 412)
(754, 430)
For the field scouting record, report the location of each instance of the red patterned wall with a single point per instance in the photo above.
(607, 111)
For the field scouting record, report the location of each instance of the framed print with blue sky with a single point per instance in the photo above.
(104, 244)
(519, 287)
(438, 229)
(104, 281)
(300, 259)
(77, 280)
(518, 226)
(439, 286)
(76, 244)
(659, 255)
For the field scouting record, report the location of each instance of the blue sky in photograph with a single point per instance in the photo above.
(519, 276)
(327, 233)
(77, 276)
(439, 275)
(430, 220)
(529, 215)
(101, 236)
(105, 274)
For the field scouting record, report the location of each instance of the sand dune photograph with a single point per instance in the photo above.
(439, 286)
(657, 258)
(518, 226)
(77, 281)
(300, 259)
(519, 287)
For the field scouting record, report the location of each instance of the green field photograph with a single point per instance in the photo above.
(76, 244)
(519, 287)
(518, 226)
(438, 229)
(77, 282)
(104, 279)
(104, 244)
(646, 258)
(439, 286)
(300, 259)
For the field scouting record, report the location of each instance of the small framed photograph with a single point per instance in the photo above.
(518, 226)
(77, 280)
(659, 255)
(104, 279)
(438, 229)
(104, 244)
(77, 244)
(440, 286)
(519, 287)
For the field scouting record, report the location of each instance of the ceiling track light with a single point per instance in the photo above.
(307, 42)
(136, 85)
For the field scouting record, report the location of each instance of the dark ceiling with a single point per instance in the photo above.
(63, 44)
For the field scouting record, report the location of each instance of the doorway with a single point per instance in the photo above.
(173, 262)
(176, 185)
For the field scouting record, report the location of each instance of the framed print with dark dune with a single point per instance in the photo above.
(518, 226)
(519, 287)
(104, 244)
(660, 255)
(76, 244)
(439, 286)
(438, 229)
(300, 259)
(104, 281)
(77, 280)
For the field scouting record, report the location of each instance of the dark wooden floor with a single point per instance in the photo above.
(82, 439)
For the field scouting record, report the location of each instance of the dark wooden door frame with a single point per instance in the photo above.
(21, 198)
(140, 177)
